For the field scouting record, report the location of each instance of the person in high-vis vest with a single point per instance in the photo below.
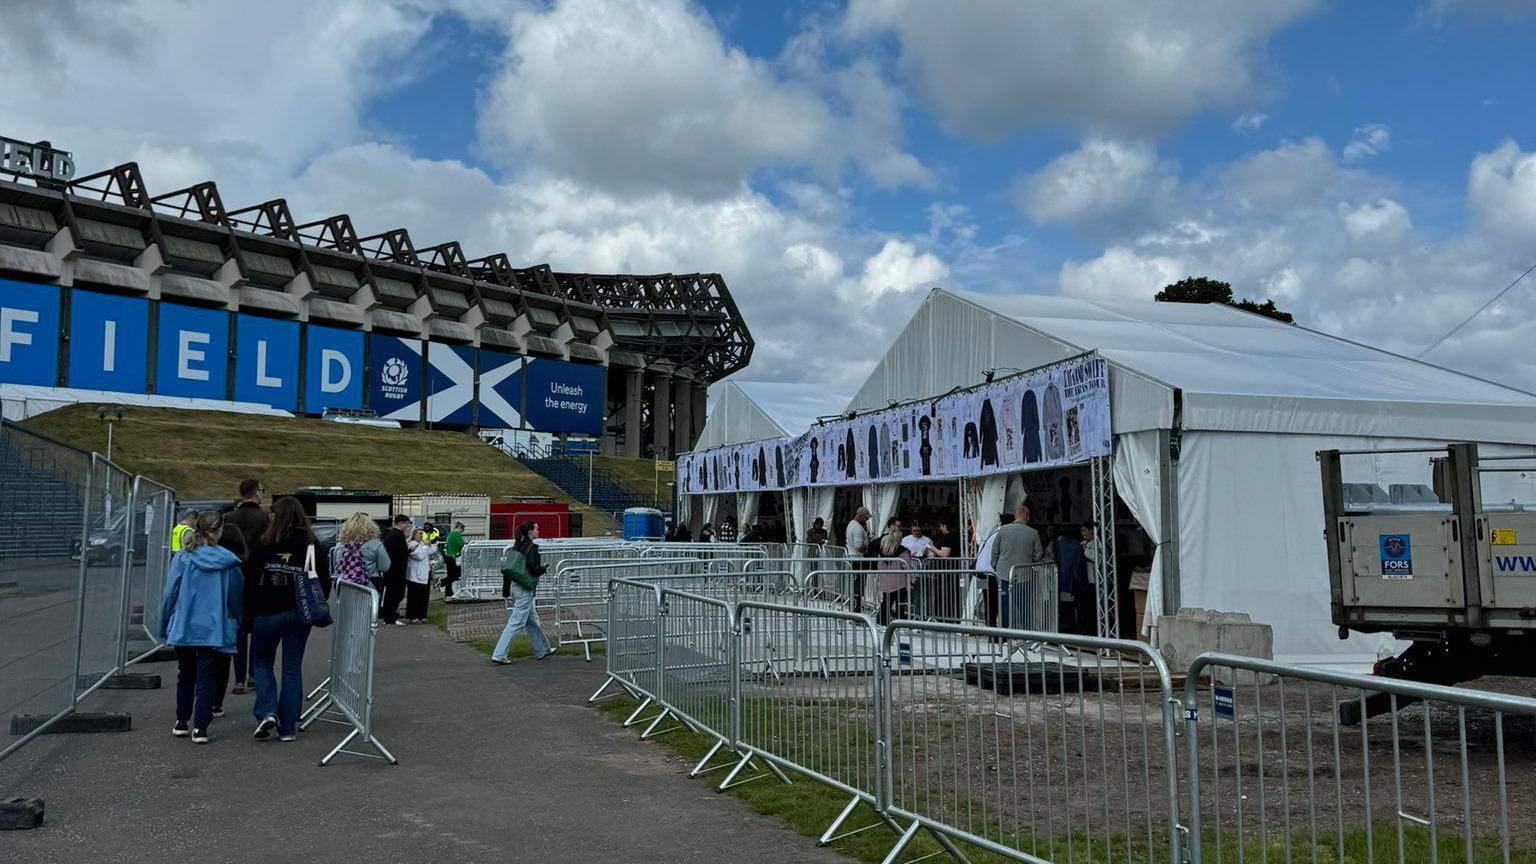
(188, 522)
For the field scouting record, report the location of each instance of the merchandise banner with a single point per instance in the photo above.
(1045, 418)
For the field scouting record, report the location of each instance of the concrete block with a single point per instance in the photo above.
(163, 654)
(1192, 632)
(23, 724)
(21, 814)
(132, 681)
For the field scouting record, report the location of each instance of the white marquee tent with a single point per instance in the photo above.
(1247, 402)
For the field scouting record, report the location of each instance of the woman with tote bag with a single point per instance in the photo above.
(282, 607)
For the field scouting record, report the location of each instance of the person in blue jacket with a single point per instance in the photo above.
(199, 615)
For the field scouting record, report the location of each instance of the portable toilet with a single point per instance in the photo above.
(641, 523)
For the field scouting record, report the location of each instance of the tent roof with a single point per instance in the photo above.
(734, 418)
(795, 407)
(1235, 371)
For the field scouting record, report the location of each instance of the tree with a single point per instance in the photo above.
(1199, 289)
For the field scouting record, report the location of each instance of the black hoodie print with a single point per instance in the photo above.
(778, 462)
(850, 466)
(972, 449)
(815, 460)
(1031, 427)
(925, 449)
(988, 434)
(762, 467)
(874, 454)
(738, 470)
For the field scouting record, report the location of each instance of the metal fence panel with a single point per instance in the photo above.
(1286, 764)
(158, 504)
(809, 695)
(353, 639)
(1030, 598)
(108, 517)
(580, 597)
(1034, 745)
(698, 661)
(43, 486)
(633, 629)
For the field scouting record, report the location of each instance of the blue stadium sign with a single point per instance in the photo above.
(501, 390)
(192, 353)
(394, 386)
(563, 397)
(108, 342)
(267, 362)
(450, 384)
(333, 369)
(29, 333)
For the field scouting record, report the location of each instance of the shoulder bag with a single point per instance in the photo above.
(309, 594)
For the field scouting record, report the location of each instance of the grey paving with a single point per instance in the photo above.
(497, 765)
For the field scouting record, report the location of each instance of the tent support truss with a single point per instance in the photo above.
(1107, 603)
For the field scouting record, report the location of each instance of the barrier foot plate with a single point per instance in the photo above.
(830, 835)
(644, 703)
(21, 814)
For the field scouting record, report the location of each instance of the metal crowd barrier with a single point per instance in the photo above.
(1029, 599)
(1287, 763)
(580, 595)
(83, 558)
(1044, 747)
(349, 692)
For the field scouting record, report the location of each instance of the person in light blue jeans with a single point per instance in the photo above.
(523, 615)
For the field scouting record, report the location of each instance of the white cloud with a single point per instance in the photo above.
(1344, 256)
(646, 95)
(1370, 140)
(1101, 178)
(899, 267)
(1501, 191)
(1289, 175)
(1123, 68)
(1249, 123)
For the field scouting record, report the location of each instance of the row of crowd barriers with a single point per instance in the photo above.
(84, 552)
(345, 697)
(1042, 747)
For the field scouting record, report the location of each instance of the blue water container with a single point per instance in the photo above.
(643, 522)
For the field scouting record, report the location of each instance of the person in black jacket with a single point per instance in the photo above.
(249, 522)
(523, 614)
(277, 562)
(394, 580)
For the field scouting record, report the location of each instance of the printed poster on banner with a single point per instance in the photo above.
(1049, 417)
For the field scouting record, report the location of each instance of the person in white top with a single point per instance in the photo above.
(856, 539)
(418, 575)
(919, 545)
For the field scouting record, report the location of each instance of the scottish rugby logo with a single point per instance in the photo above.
(396, 372)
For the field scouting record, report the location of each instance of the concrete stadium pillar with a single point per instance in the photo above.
(682, 425)
(661, 417)
(634, 410)
(700, 411)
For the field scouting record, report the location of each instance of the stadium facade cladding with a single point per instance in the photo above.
(661, 338)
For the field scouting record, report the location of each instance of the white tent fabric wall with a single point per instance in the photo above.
(1139, 484)
(882, 500)
(685, 512)
(746, 511)
(734, 418)
(820, 503)
(711, 515)
(987, 496)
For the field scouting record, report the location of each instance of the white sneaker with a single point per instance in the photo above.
(199, 736)
(265, 727)
(400, 622)
(180, 730)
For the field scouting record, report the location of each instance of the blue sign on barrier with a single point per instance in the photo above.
(563, 397)
(267, 362)
(394, 386)
(501, 390)
(29, 333)
(192, 352)
(450, 384)
(108, 342)
(1222, 702)
(333, 369)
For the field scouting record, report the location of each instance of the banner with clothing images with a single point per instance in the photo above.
(1048, 417)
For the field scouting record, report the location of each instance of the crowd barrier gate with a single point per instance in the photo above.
(349, 693)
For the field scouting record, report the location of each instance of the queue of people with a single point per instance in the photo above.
(231, 604)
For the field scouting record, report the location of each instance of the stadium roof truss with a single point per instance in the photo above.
(259, 258)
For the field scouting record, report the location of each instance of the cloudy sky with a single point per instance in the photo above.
(1371, 167)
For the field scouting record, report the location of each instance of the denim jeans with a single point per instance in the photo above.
(269, 632)
(522, 616)
(197, 681)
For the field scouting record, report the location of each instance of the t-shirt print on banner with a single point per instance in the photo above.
(988, 434)
(1055, 445)
(1011, 441)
